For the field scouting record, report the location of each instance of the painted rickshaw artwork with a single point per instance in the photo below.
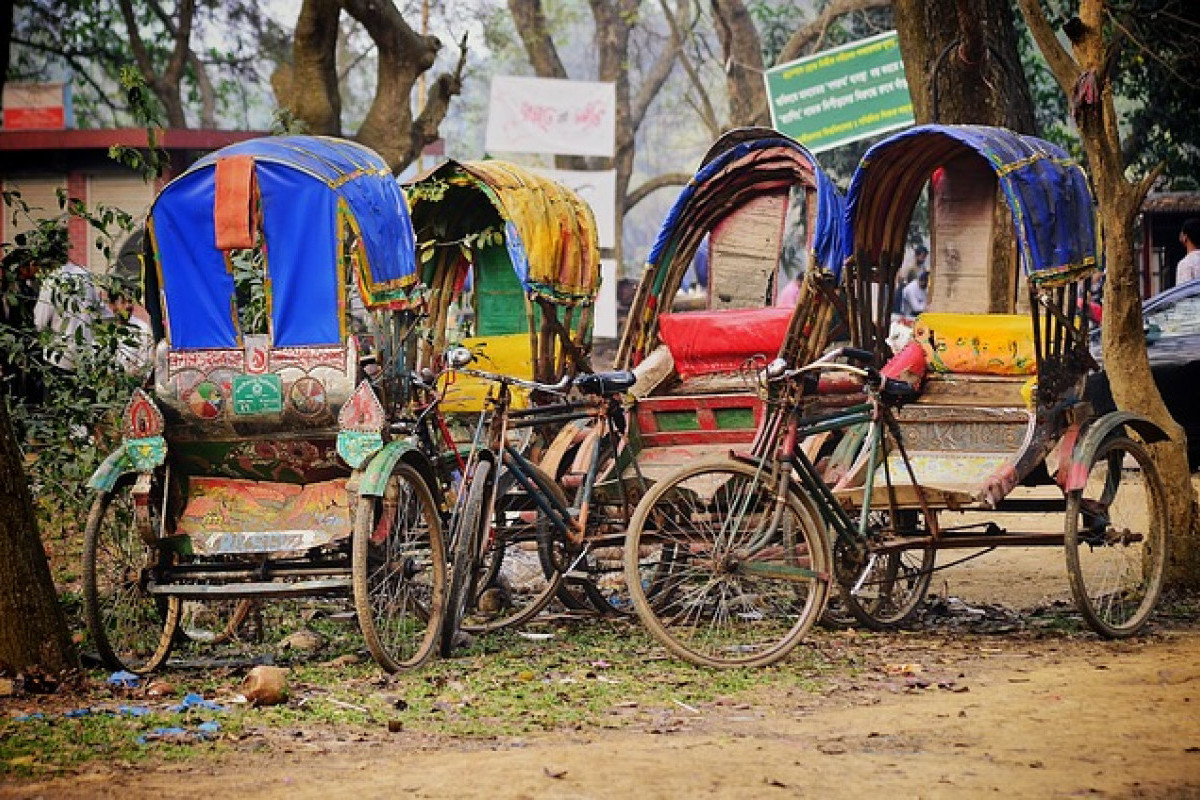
(759, 198)
(975, 435)
(512, 262)
(280, 275)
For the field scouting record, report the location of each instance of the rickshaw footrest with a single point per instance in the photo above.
(257, 589)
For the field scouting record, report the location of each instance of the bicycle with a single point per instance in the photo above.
(516, 536)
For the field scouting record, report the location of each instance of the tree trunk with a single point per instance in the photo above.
(1083, 76)
(965, 52)
(741, 46)
(33, 629)
(309, 86)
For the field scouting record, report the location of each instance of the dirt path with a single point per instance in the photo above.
(937, 715)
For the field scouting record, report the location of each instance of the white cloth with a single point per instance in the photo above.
(1188, 268)
(914, 299)
(67, 305)
(135, 350)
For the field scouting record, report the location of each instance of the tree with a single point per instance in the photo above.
(1085, 71)
(33, 628)
(962, 61)
(97, 39)
(308, 87)
(615, 23)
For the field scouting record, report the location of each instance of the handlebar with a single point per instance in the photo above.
(508, 380)
(777, 370)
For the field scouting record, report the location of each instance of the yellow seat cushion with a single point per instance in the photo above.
(980, 344)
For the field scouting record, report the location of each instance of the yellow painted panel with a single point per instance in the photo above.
(507, 355)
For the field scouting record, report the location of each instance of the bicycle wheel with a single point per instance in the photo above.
(521, 566)
(466, 542)
(1115, 538)
(398, 571)
(889, 590)
(130, 628)
(596, 580)
(744, 572)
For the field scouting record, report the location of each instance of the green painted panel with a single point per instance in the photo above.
(499, 298)
(677, 420)
(734, 418)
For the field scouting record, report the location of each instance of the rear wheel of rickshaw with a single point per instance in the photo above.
(1115, 538)
(398, 566)
(888, 590)
(520, 568)
(131, 629)
(596, 580)
(747, 572)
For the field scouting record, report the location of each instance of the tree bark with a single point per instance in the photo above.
(309, 86)
(744, 67)
(33, 628)
(965, 52)
(1083, 75)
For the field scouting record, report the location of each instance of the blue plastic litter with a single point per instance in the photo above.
(76, 713)
(199, 733)
(29, 717)
(126, 680)
(193, 700)
(133, 711)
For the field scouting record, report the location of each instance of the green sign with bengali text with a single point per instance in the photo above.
(257, 394)
(841, 95)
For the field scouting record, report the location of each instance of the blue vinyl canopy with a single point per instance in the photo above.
(1046, 191)
(308, 192)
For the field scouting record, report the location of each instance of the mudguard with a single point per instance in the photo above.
(375, 474)
(1095, 433)
(118, 463)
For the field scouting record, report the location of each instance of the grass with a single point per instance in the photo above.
(591, 674)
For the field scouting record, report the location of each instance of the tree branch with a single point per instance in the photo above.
(802, 40)
(530, 19)
(652, 185)
(1062, 64)
(656, 77)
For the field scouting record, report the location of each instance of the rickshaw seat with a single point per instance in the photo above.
(707, 342)
(977, 344)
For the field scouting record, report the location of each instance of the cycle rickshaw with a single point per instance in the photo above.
(753, 543)
(280, 274)
(758, 200)
(513, 266)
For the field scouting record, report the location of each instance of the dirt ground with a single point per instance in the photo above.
(935, 713)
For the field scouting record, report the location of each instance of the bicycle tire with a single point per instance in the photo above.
(131, 629)
(1115, 538)
(398, 571)
(467, 541)
(730, 596)
(520, 570)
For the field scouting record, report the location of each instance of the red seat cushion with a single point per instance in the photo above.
(706, 342)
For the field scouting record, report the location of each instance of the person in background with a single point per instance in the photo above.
(908, 273)
(135, 343)
(914, 298)
(68, 305)
(1188, 268)
(789, 294)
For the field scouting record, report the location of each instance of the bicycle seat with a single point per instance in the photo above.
(605, 384)
(896, 393)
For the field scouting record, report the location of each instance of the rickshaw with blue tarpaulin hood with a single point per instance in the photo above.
(266, 460)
